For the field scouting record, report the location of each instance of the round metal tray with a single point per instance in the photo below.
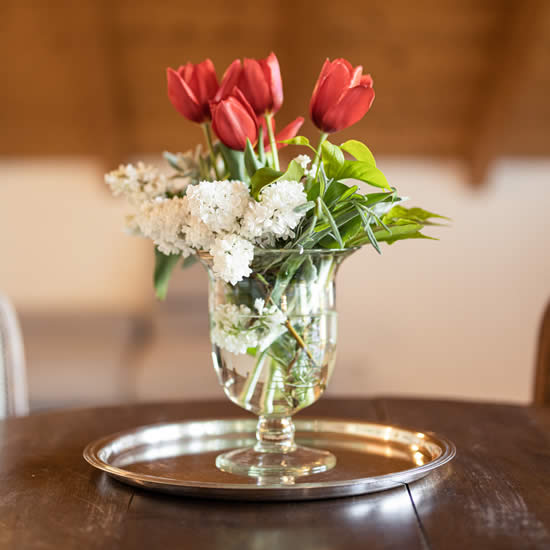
(178, 458)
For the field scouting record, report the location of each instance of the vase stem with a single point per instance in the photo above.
(275, 435)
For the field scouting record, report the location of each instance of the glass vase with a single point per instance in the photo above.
(274, 337)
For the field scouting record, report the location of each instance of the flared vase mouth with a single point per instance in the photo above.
(204, 255)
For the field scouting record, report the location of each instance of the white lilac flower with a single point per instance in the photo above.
(219, 204)
(274, 216)
(236, 328)
(163, 221)
(232, 256)
(303, 161)
(137, 183)
(259, 305)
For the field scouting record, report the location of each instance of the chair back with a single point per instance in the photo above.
(13, 381)
(542, 373)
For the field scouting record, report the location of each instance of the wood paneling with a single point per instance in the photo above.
(89, 76)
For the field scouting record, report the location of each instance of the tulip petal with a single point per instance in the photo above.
(288, 132)
(182, 97)
(205, 84)
(230, 79)
(233, 124)
(335, 84)
(351, 108)
(366, 80)
(272, 72)
(254, 86)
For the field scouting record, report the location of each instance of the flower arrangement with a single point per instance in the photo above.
(234, 198)
(271, 237)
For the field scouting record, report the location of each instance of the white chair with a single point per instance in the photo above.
(13, 382)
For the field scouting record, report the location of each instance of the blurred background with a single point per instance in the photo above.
(461, 124)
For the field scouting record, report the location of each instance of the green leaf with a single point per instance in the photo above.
(251, 163)
(331, 221)
(298, 140)
(189, 261)
(398, 232)
(314, 190)
(359, 151)
(333, 159)
(306, 207)
(368, 229)
(363, 171)
(234, 162)
(335, 191)
(294, 172)
(414, 214)
(323, 182)
(263, 177)
(164, 265)
(348, 231)
(348, 193)
(173, 160)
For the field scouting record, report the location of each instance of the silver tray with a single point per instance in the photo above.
(178, 458)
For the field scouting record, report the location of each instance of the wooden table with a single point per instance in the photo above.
(495, 494)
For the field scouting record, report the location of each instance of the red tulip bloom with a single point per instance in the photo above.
(259, 80)
(234, 120)
(288, 132)
(230, 80)
(191, 88)
(341, 97)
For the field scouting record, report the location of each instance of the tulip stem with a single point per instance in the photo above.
(316, 162)
(272, 142)
(208, 136)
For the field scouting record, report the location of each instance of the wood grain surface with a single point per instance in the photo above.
(495, 494)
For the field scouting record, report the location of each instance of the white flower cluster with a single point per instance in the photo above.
(238, 328)
(162, 220)
(219, 217)
(274, 216)
(137, 183)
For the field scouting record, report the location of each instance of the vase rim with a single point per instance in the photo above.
(313, 251)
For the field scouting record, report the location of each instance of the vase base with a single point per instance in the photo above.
(272, 466)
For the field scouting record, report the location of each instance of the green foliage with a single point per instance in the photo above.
(263, 177)
(333, 159)
(251, 162)
(363, 171)
(359, 151)
(299, 140)
(234, 162)
(164, 265)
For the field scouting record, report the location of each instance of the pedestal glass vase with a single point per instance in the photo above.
(274, 338)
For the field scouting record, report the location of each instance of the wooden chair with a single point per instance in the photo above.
(13, 383)
(542, 376)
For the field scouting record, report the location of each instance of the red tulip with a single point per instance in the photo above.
(259, 80)
(230, 79)
(191, 88)
(288, 132)
(341, 97)
(234, 120)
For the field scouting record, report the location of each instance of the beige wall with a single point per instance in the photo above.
(61, 241)
(457, 317)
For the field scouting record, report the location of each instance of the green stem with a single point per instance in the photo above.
(250, 384)
(316, 162)
(272, 142)
(208, 136)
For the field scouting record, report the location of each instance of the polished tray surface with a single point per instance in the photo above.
(179, 457)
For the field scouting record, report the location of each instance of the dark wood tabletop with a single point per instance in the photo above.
(495, 494)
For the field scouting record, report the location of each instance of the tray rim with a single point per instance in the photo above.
(92, 449)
